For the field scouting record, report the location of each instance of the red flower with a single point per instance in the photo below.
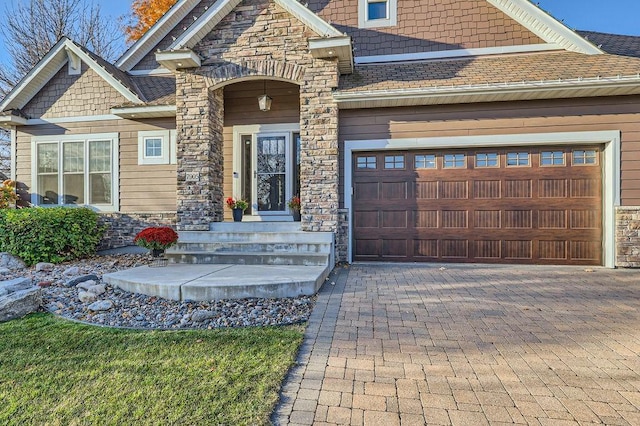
(155, 238)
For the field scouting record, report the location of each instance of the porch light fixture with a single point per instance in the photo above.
(264, 101)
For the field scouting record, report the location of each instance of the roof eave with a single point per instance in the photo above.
(334, 47)
(148, 111)
(178, 59)
(9, 121)
(495, 93)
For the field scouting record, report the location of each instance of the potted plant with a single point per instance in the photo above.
(294, 205)
(238, 207)
(157, 239)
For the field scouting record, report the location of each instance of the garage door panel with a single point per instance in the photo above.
(467, 213)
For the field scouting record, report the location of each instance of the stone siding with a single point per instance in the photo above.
(123, 227)
(342, 236)
(74, 95)
(628, 237)
(258, 39)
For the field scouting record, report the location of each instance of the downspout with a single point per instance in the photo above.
(13, 160)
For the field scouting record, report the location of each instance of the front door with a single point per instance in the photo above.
(271, 174)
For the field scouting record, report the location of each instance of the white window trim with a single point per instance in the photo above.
(115, 167)
(168, 154)
(610, 167)
(392, 15)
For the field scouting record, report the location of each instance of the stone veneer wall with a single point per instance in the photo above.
(342, 237)
(258, 39)
(628, 237)
(123, 227)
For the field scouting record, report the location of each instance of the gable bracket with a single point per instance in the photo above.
(75, 64)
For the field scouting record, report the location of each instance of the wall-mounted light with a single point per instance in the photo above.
(264, 101)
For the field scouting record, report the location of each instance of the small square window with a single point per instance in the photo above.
(582, 157)
(377, 9)
(425, 161)
(366, 163)
(153, 147)
(487, 160)
(394, 162)
(552, 158)
(454, 161)
(517, 159)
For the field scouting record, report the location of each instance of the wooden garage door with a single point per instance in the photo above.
(537, 205)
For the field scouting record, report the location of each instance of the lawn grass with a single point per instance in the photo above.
(56, 372)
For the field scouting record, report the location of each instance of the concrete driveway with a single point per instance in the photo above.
(393, 344)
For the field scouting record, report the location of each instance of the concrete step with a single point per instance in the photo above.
(255, 226)
(248, 247)
(271, 236)
(211, 282)
(249, 258)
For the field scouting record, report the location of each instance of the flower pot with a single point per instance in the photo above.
(237, 215)
(296, 216)
(157, 252)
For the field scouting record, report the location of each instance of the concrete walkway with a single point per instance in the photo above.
(469, 345)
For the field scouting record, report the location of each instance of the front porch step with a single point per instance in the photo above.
(245, 258)
(255, 226)
(271, 236)
(250, 246)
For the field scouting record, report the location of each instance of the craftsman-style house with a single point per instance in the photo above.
(448, 130)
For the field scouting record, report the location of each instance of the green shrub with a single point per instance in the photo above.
(50, 234)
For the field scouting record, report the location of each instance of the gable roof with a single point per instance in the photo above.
(544, 25)
(53, 61)
(616, 44)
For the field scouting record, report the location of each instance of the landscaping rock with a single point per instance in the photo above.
(4, 270)
(97, 289)
(16, 284)
(10, 262)
(19, 303)
(199, 316)
(86, 297)
(73, 270)
(101, 305)
(86, 284)
(77, 280)
(44, 267)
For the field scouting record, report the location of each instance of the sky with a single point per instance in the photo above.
(612, 16)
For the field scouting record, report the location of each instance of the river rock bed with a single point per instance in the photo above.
(64, 285)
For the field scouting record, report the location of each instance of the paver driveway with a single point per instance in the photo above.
(469, 345)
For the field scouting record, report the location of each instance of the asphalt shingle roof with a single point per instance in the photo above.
(615, 44)
(552, 66)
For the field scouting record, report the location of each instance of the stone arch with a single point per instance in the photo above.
(249, 70)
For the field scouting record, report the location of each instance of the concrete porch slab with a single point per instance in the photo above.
(202, 282)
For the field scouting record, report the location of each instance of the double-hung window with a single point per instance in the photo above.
(75, 170)
(377, 13)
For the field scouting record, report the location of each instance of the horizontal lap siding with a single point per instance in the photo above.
(577, 115)
(147, 188)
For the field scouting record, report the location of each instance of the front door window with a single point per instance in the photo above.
(270, 173)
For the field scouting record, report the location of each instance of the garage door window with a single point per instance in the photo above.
(394, 162)
(366, 162)
(583, 158)
(487, 160)
(552, 158)
(425, 161)
(517, 159)
(452, 161)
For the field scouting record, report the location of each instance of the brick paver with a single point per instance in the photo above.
(469, 344)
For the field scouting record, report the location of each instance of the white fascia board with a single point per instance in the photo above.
(457, 53)
(49, 65)
(12, 120)
(610, 164)
(177, 59)
(493, 92)
(204, 24)
(310, 19)
(544, 25)
(114, 82)
(155, 34)
(145, 111)
(155, 71)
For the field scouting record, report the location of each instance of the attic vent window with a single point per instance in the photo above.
(377, 13)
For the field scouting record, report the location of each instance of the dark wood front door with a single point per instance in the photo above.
(538, 205)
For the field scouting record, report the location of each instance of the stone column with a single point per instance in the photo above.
(199, 121)
(319, 172)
